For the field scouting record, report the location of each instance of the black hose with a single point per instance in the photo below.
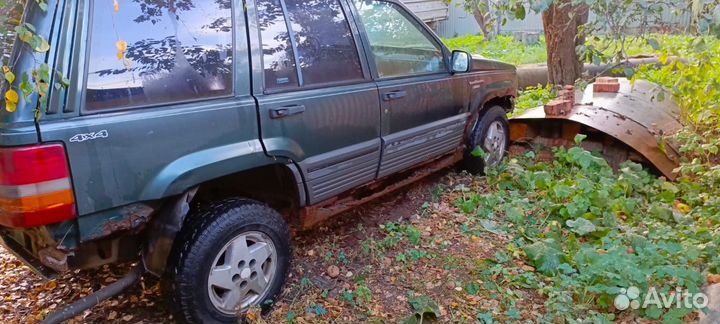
(90, 301)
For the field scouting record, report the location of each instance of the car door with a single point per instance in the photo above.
(317, 102)
(424, 111)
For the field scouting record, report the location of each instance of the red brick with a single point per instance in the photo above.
(558, 107)
(606, 87)
(568, 93)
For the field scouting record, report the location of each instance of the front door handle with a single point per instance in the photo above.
(395, 95)
(286, 111)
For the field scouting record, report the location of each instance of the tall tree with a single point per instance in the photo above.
(566, 26)
(480, 9)
(561, 19)
(561, 23)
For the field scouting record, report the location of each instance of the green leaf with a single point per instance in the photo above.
(10, 77)
(473, 288)
(579, 138)
(545, 255)
(654, 44)
(514, 214)
(581, 226)
(485, 318)
(478, 152)
(629, 72)
(423, 308)
(24, 34)
(25, 87)
(41, 45)
(65, 82)
(520, 12)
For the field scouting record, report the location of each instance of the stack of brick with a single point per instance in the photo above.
(563, 104)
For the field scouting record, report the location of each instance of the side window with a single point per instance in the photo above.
(323, 46)
(278, 55)
(146, 53)
(399, 46)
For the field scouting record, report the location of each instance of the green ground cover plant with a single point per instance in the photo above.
(590, 232)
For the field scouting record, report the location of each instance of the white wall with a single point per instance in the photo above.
(462, 23)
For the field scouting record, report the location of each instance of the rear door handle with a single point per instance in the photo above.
(286, 111)
(395, 95)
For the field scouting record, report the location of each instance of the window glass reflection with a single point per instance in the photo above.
(325, 45)
(145, 52)
(278, 56)
(399, 47)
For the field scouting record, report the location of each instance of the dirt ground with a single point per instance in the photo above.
(382, 262)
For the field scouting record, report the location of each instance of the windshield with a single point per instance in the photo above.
(10, 14)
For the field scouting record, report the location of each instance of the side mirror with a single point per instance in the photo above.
(461, 62)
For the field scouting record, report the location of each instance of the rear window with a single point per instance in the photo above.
(150, 53)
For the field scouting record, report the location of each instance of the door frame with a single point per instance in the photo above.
(329, 173)
(417, 22)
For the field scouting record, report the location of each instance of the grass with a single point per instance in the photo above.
(507, 49)
(502, 48)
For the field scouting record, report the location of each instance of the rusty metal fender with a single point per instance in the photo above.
(631, 115)
(162, 232)
(489, 86)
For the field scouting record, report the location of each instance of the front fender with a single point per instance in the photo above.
(499, 86)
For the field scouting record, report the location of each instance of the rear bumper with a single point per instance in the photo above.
(26, 257)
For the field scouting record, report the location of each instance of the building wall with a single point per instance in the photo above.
(429, 11)
(462, 23)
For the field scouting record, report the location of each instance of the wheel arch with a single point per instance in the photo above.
(501, 93)
(280, 186)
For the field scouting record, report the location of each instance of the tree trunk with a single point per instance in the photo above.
(481, 19)
(561, 22)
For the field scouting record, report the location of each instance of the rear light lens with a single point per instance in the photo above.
(35, 187)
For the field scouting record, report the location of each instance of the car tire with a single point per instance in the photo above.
(492, 134)
(215, 271)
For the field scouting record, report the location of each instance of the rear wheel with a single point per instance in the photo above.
(230, 256)
(492, 135)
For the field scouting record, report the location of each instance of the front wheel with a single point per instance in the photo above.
(492, 135)
(230, 256)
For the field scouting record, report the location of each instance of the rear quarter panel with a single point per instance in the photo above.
(143, 154)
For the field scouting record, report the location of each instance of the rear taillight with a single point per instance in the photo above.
(35, 187)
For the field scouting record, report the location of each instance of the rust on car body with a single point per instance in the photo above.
(312, 215)
(127, 218)
(632, 116)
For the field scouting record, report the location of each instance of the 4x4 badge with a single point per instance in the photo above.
(79, 138)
